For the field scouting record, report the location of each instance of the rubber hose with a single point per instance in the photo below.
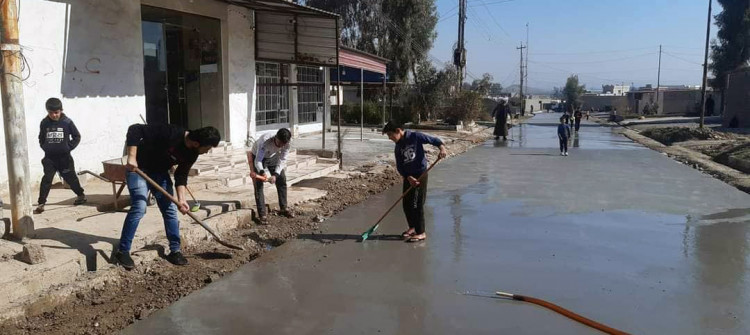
(570, 314)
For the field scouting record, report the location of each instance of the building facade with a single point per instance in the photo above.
(234, 65)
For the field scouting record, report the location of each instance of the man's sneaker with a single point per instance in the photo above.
(39, 209)
(287, 213)
(566, 153)
(177, 258)
(80, 200)
(125, 260)
(562, 154)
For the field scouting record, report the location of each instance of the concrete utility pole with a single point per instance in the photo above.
(526, 65)
(15, 123)
(658, 82)
(459, 55)
(523, 101)
(705, 67)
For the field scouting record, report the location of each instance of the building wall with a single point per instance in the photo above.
(738, 99)
(682, 102)
(533, 103)
(90, 55)
(602, 102)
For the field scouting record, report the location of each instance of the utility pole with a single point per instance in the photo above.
(705, 67)
(523, 101)
(14, 120)
(459, 54)
(526, 66)
(658, 82)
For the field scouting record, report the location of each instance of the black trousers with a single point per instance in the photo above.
(260, 199)
(414, 204)
(578, 124)
(64, 165)
(563, 144)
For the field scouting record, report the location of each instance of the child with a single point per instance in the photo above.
(58, 136)
(563, 133)
(411, 163)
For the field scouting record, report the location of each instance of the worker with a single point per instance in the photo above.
(155, 149)
(411, 163)
(267, 160)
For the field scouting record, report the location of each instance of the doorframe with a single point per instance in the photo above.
(213, 10)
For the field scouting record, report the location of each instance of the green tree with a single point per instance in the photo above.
(572, 93)
(732, 48)
(400, 30)
(496, 89)
(482, 86)
(432, 89)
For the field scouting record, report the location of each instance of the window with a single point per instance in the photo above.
(309, 97)
(272, 99)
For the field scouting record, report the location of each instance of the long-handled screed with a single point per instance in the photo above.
(563, 311)
(174, 200)
(372, 229)
(196, 205)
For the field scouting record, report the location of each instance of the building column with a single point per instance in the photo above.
(293, 99)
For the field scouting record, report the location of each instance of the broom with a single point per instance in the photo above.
(372, 229)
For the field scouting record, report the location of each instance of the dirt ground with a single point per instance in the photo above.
(133, 295)
(670, 135)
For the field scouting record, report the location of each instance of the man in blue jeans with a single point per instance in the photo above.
(155, 149)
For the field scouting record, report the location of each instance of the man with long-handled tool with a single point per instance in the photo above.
(267, 160)
(411, 163)
(152, 151)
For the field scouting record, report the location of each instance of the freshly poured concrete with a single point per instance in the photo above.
(620, 234)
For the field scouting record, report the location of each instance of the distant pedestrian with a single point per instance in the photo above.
(588, 113)
(563, 134)
(578, 116)
(566, 117)
(267, 159)
(710, 105)
(411, 163)
(58, 137)
(501, 114)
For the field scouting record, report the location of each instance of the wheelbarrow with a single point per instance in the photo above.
(114, 173)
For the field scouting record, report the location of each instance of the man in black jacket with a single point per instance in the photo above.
(58, 136)
(155, 149)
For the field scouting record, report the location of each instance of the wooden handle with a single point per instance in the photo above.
(406, 192)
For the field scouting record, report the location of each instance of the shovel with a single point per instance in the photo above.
(196, 205)
(372, 229)
(174, 200)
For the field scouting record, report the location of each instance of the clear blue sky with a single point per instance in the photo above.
(602, 41)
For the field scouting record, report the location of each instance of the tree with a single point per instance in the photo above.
(432, 89)
(732, 48)
(482, 86)
(496, 89)
(400, 30)
(572, 93)
(557, 93)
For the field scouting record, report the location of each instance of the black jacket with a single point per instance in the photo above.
(58, 137)
(160, 147)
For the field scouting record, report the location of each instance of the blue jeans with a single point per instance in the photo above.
(138, 188)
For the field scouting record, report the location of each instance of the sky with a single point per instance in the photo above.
(603, 41)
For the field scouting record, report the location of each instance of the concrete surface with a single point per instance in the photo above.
(616, 232)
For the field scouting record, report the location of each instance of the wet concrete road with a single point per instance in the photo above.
(615, 232)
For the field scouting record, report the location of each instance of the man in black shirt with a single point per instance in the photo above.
(155, 149)
(58, 136)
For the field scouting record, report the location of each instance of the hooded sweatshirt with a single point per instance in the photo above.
(58, 138)
(410, 158)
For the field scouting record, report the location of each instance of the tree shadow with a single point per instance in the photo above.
(80, 241)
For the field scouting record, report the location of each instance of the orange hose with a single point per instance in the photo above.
(565, 312)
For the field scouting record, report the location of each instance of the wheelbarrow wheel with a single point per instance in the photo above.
(151, 200)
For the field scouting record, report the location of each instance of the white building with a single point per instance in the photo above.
(615, 89)
(246, 67)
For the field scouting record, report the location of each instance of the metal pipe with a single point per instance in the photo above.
(14, 120)
(362, 104)
(338, 97)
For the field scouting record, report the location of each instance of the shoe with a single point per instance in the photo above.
(562, 154)
(263, 220)
(80, 200)
(177, 258)
(125, 260)
(39, 209)
(287, 213)
(566, 153)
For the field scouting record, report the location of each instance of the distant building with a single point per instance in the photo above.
(615, 89)
(535, 103)
(671, 100)
(604, 102)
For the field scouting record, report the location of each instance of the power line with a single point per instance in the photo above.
(492, 3)
(495, 20)
(593, 52)
(682, 59)
(597, 62)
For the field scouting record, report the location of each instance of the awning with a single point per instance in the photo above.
(286, 32)
(362, 60)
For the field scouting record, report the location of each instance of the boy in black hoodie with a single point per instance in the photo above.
(58, 136)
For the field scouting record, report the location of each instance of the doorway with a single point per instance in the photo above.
(182, 69)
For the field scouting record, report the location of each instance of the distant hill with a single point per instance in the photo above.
(531, 90)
